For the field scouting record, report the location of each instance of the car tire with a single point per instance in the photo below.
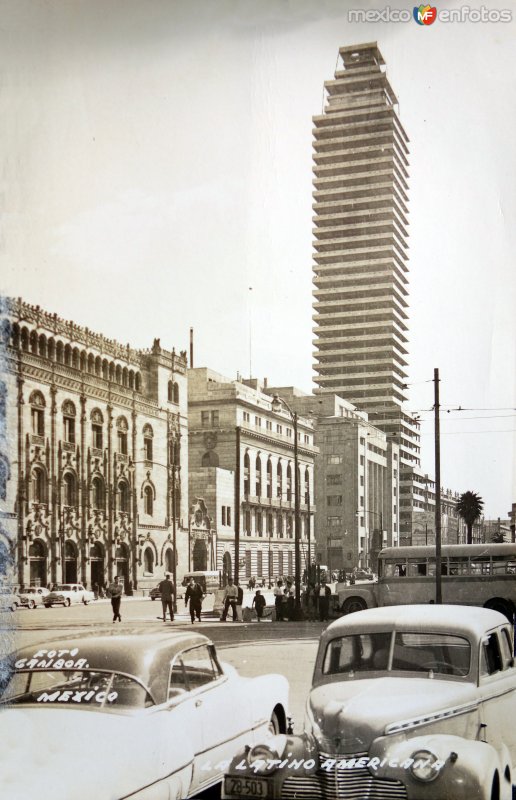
(274, 724)
(31, 604)
(85, 601)
(153, 598)
(47, 605)
(352, 604)
(67, 602)
(13, 606)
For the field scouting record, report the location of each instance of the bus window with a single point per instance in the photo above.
(416, 567)
(431, 567)
(459, 565)
(389, 569)
(480, 566)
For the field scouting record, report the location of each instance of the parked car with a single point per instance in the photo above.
(9, 600)
(33, 596)
(67, 593)
(163, 704)
(155, 593)
(409, 703)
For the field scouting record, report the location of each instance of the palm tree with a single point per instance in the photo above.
(469, 507)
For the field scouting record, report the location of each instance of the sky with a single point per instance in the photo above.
(156, 176)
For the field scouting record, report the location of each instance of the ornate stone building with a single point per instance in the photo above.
(96, 482)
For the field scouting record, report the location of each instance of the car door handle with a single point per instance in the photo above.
(198, 703)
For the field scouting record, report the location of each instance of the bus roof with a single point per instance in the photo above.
(427, 551)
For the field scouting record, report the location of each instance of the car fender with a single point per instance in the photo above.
(466, 773)
(266, 692)
(366, 592)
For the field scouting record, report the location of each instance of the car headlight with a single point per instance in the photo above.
(424, 767)
(260, 756)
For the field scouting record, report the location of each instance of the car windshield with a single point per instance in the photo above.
(63, 587)
(403, 651)
(105, 691)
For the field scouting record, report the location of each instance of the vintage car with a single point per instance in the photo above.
(67, 593)
(407, 703)
(9, 600)
(147, 717)
(33, 596)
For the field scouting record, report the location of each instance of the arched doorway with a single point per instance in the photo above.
(122, 564)
(200, 555)
(97, 567)
(169, 560)
(70, 562)
(38, 563)
(226, 568)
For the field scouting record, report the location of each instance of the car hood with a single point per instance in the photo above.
(351, 714)
(82, 753)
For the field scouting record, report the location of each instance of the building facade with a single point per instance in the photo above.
(242, 468)
(360, 261)
(98, 455)
(357, 482)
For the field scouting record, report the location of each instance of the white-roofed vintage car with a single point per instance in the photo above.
(65, 594)
(33, 596)
(142, 717)
(407, 703)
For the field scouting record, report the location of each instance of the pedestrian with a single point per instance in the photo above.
(194, 594)
(290, 592)
(115, 593)
(168, 593)
(324, 595)
(230, 599)
(239, 602)
(278, 598)
(259, 604)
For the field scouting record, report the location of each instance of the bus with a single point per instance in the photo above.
(471, 575)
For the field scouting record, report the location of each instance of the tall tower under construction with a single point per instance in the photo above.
(360, 260)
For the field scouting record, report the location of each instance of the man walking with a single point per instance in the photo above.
(167, 591)
(278, 600)
(324, 595)
(115, 593)
(230, 599)
(194, 594)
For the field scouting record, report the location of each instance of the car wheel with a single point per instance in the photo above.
(85, 601)
(14, 606)
(153, 598)
(47, 605)
(67, 601)
(274, 724)
(353, 604)
(31, 604)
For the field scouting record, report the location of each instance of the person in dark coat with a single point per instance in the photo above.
(167, 591)
(324, 594)
(115, 593)
(259, 604)
(194, 594)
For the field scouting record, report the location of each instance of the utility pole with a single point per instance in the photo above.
(438, 576)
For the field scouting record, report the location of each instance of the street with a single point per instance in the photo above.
(252, 648)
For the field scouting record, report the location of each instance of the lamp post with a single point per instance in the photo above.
(172, 470)
(277, 402)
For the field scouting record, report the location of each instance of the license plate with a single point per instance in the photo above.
(246, 787)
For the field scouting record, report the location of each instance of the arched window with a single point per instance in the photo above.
(97, 493)
(69, 490)
(24, 337)
(118, 373)
(138, 382)
(247, 472)
(68, 355)
(60, 352)
(121, 429)
(37, 412)
(91, 363)
(148, 435)
(38, 485)
(51, 349)
(289, 482)
(210, 459)
(307, 487)
(125, 377)
(97, 421)
(258, 491)
(123, 495)
(33, 342)
(76, 359)
(170, 395)
(148, 560)
(279, 480)
(176, 393)
(269, 478)
(148, 500)
(42, 345)
(68, 409)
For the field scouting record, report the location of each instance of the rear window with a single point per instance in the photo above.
(103, 691)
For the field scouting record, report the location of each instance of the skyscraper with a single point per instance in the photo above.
(360, 261)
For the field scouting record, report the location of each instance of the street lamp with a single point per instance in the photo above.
(172, 470)
(277, 402)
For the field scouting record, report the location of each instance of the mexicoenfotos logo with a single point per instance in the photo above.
(425, 15)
